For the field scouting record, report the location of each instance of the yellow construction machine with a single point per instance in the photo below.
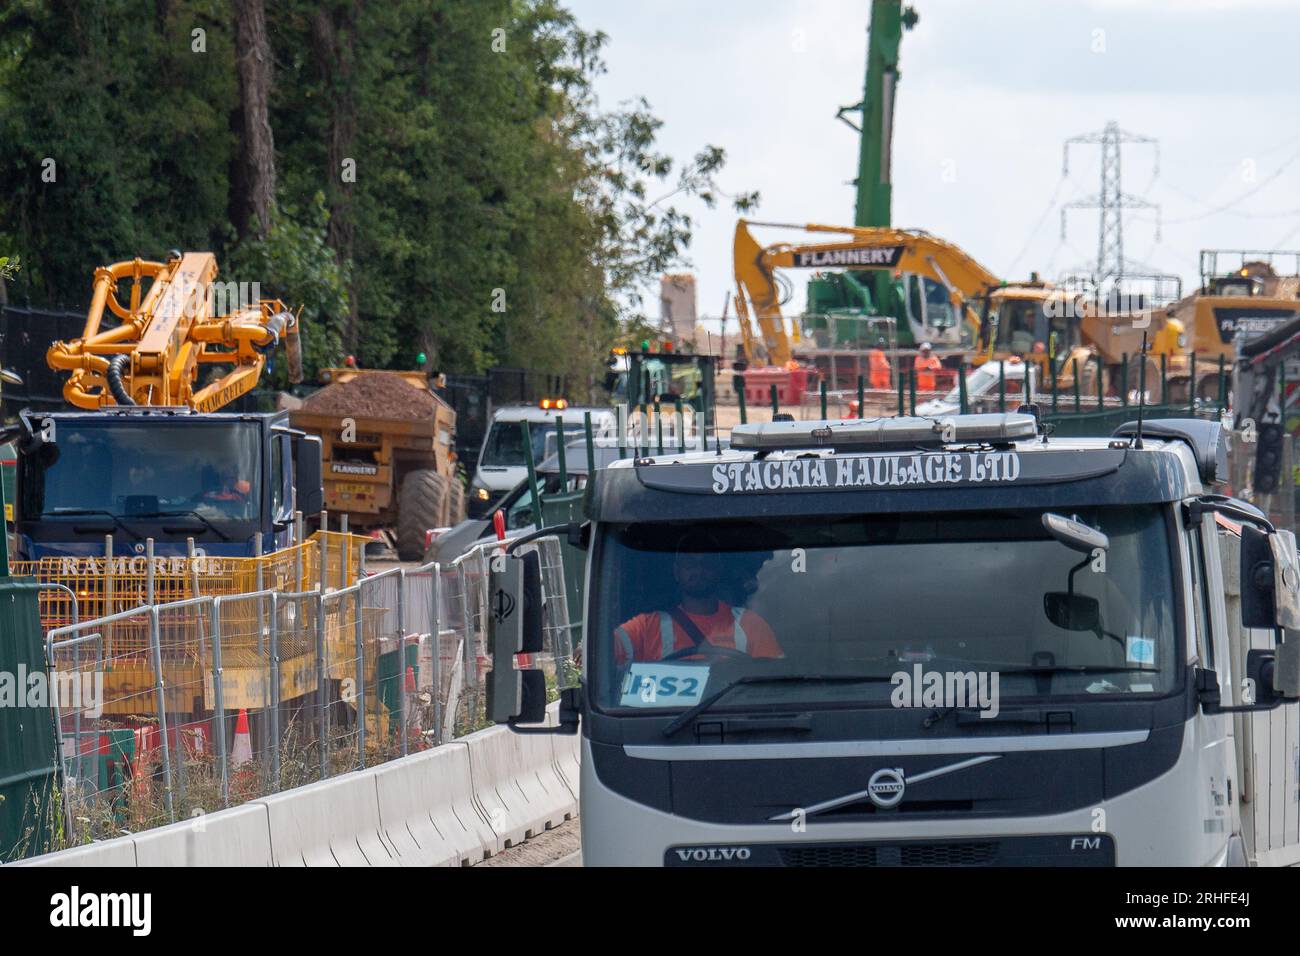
(949, 299)
(167, 334)
(144, 454)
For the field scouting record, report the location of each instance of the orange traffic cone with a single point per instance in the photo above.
(242, 752)
(410, 679)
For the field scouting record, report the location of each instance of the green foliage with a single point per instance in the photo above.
(114, 137)
(498, 215)
(294, 263)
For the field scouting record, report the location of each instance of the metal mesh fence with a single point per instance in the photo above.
(105, 585)
(183, 707)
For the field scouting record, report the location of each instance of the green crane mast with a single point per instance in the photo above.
(884, 36)
(844, 294)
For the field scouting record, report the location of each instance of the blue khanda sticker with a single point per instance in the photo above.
(1140, 651)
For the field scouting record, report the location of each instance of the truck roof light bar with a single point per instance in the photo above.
(884, 433)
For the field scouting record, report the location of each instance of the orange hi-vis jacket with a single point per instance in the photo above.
(878, 364)
(654, 635)
(925, 367)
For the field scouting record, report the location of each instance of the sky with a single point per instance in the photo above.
(989, 91)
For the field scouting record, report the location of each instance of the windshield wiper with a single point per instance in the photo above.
(75, 512)
(1078, 669)
(686, 716)
(180, 514)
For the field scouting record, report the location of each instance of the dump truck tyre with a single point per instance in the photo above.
(456, 510)
(419, 506)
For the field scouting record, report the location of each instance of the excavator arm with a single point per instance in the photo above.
(167, 333)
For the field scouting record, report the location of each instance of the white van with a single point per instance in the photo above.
(501, 461)
(982, 388)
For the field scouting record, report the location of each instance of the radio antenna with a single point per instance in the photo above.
(712, 392)
(1142, 391)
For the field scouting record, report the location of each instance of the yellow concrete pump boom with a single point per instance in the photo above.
(167, 333)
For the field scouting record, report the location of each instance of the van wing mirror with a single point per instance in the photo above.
(515, 627)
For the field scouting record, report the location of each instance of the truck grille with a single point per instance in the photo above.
(1060, 849)
(906, 854)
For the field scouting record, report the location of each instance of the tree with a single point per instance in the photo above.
(252, 192)
(427, 176)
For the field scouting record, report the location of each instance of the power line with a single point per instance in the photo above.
(1226, 207)
(1037, 225)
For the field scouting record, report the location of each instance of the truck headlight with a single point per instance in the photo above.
(482, 494)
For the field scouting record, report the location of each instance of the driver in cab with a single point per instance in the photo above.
(700, 617)
(224, 490)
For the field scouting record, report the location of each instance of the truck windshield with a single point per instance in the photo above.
(879, 595)
(504, 445)
(151, 469)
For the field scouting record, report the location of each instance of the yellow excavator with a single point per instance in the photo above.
(950, 300)
(939, 276)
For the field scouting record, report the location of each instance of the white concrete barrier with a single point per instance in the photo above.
(240, 836)
(516, 784)
(426, 806)
(453, 805)
(118, 852)
(331, 823)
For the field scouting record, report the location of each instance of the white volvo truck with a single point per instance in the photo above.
(911, 642)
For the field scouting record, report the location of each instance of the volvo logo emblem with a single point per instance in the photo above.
(885, 788)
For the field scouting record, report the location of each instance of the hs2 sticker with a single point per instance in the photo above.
(654, 684)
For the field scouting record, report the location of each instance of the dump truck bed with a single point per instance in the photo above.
(366, 455)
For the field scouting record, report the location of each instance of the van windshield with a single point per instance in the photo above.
(873, 596)
(977, 383)
(504, 445)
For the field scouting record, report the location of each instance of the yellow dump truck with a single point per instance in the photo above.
(388, 454)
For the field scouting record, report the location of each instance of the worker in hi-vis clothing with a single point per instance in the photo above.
(698, 617)
(878, 365)
(926, 364)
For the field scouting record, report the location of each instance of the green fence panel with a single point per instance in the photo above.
(1102, 424)
(29, 767)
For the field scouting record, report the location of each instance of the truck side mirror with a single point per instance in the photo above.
(1286, 672)
(307, 478)
(1072, 612)
(1286, 579)
(515, 627)
(1270, 598)
(1275, 673)
(1259, 575)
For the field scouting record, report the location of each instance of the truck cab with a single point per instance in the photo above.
(230, 482)
(917, 642)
